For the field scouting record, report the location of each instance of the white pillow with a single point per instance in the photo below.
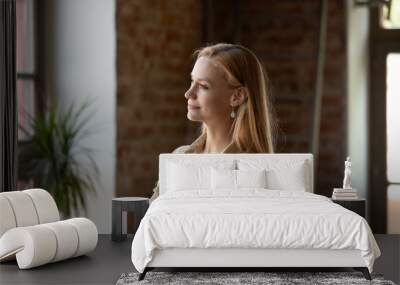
(223, 179)
(293, 180)
(181, 177)
(251, 178)
(281, 174)
(191, 174)
(237, 179)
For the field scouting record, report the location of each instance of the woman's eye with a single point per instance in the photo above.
(199, 85)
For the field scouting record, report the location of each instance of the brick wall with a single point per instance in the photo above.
(285, 35)
(155, 40)
(154, 66)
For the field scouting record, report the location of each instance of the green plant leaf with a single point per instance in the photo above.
(56, 159)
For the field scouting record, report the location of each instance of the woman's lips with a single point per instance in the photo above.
(192, 107)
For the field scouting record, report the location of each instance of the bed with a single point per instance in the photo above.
(247, 210)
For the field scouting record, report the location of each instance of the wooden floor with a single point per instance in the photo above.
(111, 259)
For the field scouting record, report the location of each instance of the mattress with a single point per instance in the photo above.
(250, 219)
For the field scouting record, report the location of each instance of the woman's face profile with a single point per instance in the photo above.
(208, 97)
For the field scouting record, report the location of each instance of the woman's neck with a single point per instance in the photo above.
(218, 137)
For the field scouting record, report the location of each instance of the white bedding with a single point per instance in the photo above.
(251, 218)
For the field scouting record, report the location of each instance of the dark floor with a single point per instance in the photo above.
(111, 259)
(102, 266)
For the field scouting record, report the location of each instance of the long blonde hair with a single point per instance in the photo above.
(253, 127)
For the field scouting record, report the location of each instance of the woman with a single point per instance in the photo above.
(228, 94)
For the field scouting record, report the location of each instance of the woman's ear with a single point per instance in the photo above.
(238, 97)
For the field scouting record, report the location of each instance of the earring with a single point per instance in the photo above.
(233, 114)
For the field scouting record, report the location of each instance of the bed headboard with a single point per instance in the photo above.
(295, 168)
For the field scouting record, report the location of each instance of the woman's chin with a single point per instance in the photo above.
(193, 118)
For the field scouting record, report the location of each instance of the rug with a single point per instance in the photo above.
(273, 278)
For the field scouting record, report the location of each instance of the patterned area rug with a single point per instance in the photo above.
(225, 278)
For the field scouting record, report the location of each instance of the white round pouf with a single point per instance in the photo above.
(45, 205)
(23, 208)
(31, 233)
(7, 216)
(33, 246)
(87, 233)
(67, 240)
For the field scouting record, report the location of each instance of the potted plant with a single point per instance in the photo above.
(55, 159)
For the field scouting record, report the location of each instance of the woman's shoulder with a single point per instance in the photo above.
(181, 149)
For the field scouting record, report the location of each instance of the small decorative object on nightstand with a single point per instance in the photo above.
(355, 205)
(138, 205)
(347, 192)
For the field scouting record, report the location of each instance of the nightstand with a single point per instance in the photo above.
(137, 205)
(356, 205)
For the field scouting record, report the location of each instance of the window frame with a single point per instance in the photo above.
(382, 42)
(36, 74)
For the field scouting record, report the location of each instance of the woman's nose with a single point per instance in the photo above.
(189, 93)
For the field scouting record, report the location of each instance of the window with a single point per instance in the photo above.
(393, 142)
(391, 15)
(26, 63)
(27, 77)
(384, 155)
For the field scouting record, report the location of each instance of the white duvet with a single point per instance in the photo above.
(253, 218)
